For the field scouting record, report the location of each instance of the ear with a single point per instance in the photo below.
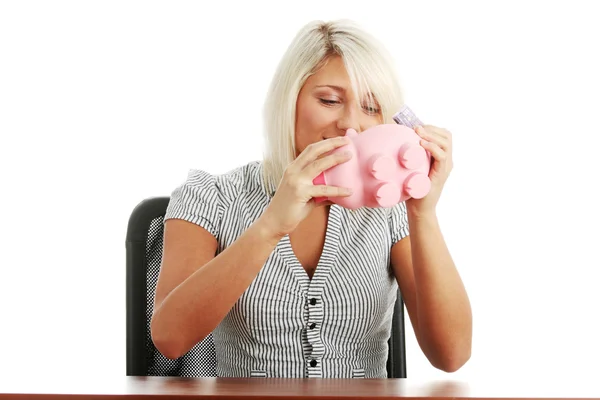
(351, 132)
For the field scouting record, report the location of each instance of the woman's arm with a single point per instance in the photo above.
(196, 290)
(435, 298)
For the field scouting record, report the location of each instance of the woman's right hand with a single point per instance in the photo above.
(293, 200)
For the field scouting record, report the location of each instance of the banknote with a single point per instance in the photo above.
(406, 117)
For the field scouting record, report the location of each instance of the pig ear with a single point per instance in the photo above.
(351, 132)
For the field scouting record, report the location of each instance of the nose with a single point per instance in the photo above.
(348, 119)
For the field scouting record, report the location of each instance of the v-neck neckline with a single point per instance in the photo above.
(328, 255)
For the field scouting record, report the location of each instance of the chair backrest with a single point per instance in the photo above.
(144, 245)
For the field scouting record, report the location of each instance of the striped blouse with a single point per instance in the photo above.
(335, 325)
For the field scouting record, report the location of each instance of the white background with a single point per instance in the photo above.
(103, 104)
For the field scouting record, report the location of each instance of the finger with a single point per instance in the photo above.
(321, 164)
(315, 150)
(435, 150)
(329, 191)
(443, 133)
(435, 136)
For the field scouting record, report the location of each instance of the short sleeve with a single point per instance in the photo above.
(398, 219)
(197, 200)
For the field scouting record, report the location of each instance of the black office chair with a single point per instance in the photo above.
(144, 246)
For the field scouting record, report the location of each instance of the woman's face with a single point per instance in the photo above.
(327, 107)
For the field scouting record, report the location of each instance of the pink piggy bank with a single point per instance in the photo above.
(388, 166)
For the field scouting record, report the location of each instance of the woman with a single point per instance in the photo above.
(290, 288)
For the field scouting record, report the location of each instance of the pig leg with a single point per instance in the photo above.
(412, 156)
(382, 168)
(417, 185)
(388, 194)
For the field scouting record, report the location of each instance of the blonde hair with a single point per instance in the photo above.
(369, 67)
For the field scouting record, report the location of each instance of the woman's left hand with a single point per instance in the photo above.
(438, 142)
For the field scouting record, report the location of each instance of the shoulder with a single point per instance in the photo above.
(398, 219)
(224, 187)
(203, 197)
(240, 181)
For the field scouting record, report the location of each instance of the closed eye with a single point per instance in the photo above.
(372, 110)
(329, 102)
(369, 110)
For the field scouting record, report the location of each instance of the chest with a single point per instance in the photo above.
(353, 289)
(307, 241)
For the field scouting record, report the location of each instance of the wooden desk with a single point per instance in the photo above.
(221, 388)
